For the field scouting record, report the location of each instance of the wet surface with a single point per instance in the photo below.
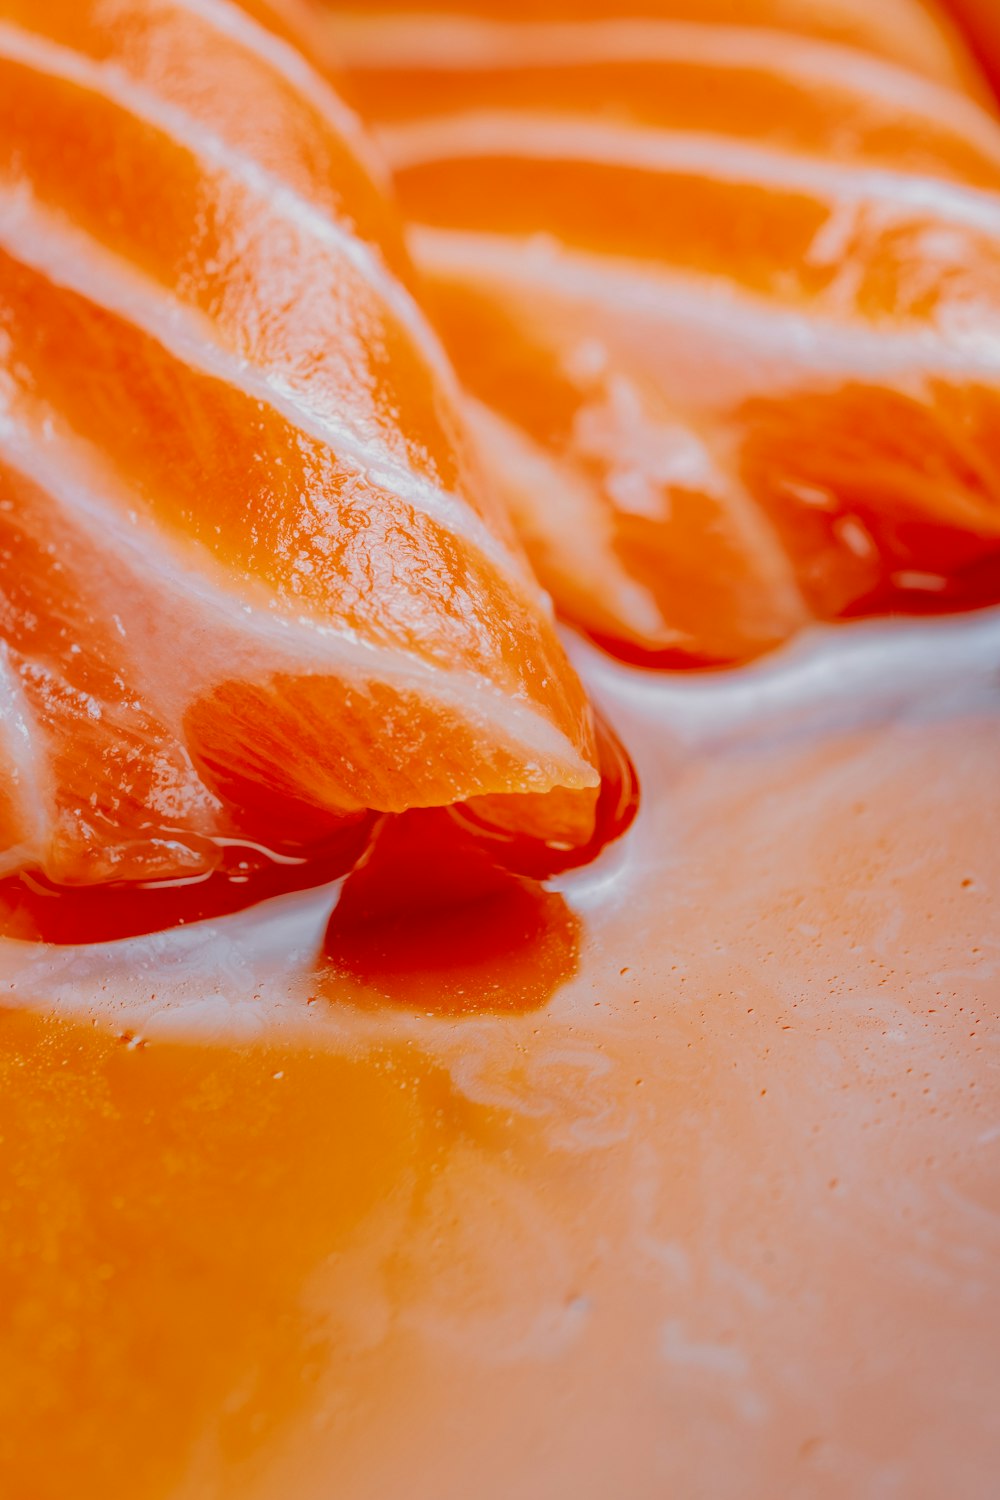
(431, 923)
(714, 1210)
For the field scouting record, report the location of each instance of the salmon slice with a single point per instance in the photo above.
(252, 581)
(724, 283)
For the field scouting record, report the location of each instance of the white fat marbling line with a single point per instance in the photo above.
(74, 261)
(765, 343)
(254, 641)
(111, 82)
(294, 67)
(531, 136)
(407, 43)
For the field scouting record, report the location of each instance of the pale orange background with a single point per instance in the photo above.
(722, 1220)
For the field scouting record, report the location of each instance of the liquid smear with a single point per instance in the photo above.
(674, 1173)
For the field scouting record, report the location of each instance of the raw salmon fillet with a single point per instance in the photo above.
(724, 283)
(251, 580)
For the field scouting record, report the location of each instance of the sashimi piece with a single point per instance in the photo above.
(253, 584)
(726, 293)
